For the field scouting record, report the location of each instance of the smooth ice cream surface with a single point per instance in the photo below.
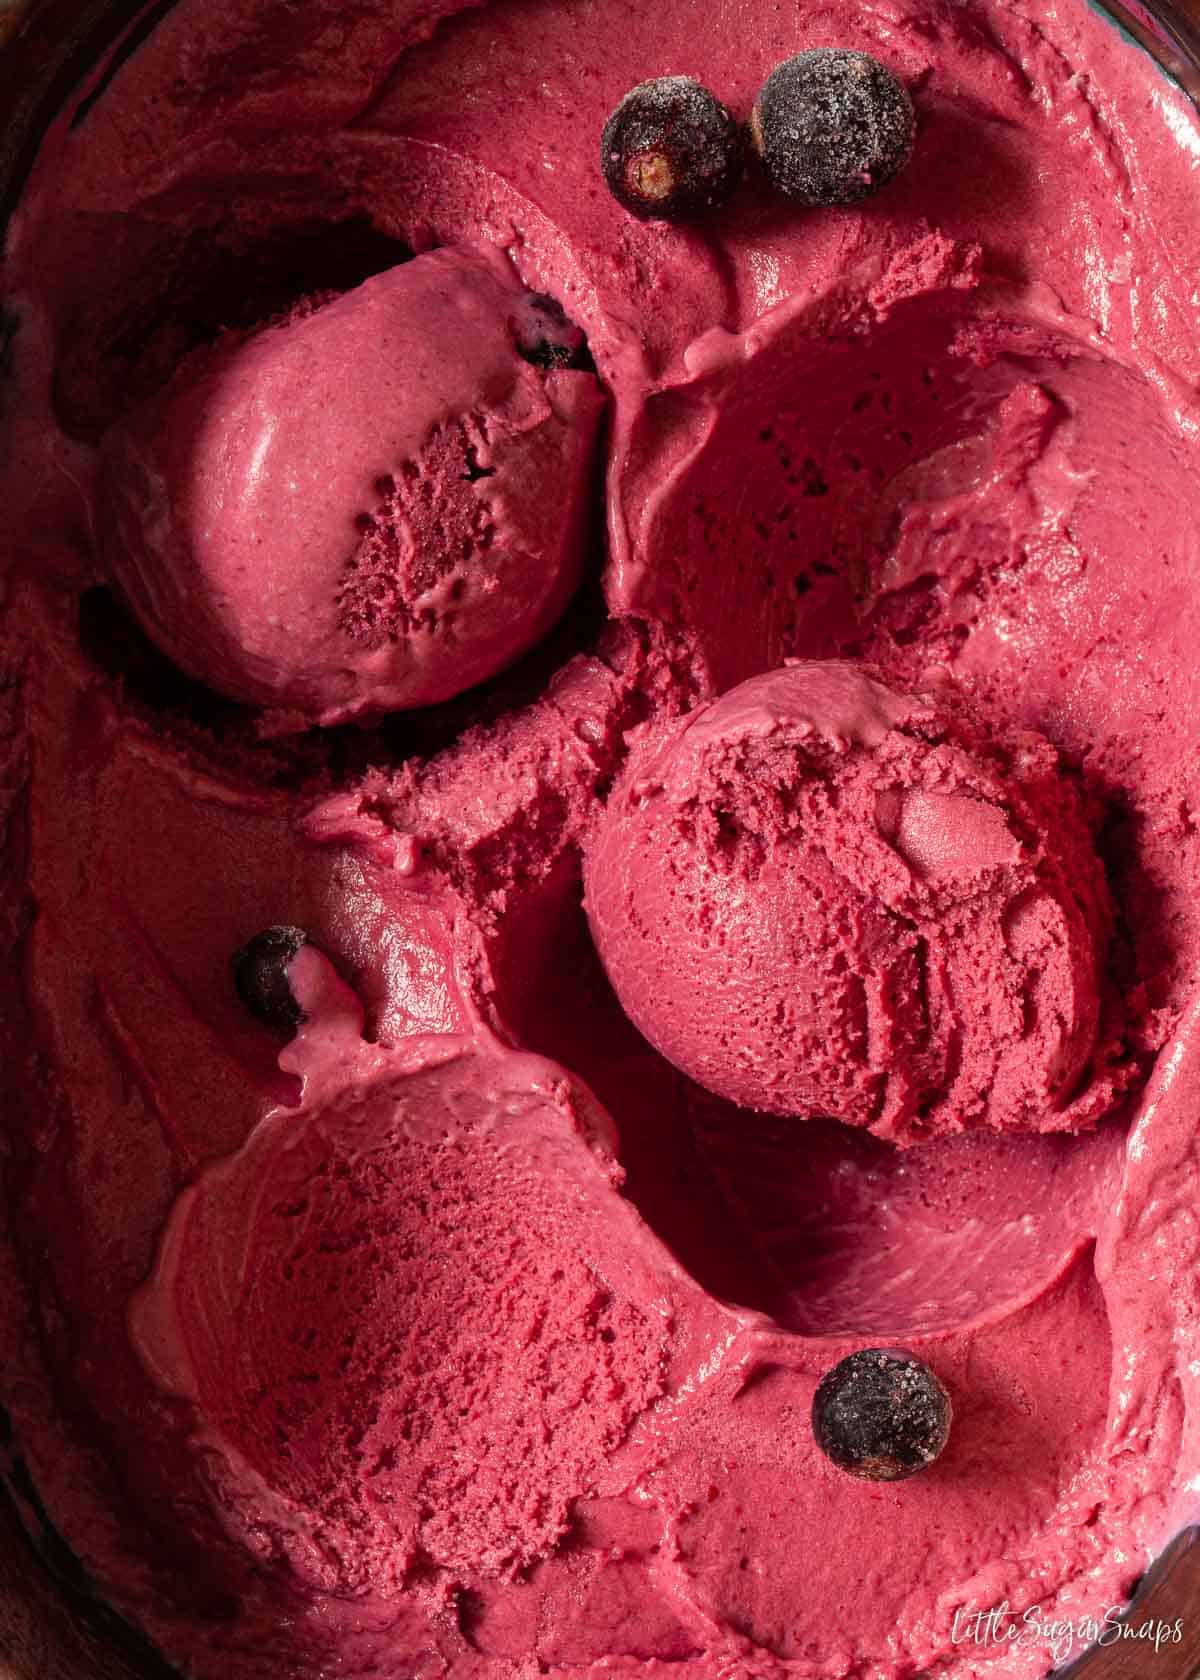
(474, 1332)
(819, 898)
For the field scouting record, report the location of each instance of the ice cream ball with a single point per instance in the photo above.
(370, 505)
(818, 897)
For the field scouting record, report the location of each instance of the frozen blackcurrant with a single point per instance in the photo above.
(831, 126)
(260, 974)
(881, 1414)
(670, 150)
(547, 337)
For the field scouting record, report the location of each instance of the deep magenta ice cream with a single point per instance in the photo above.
(373, 505)
(820, 898)
(300, 1351)
(473, 1332)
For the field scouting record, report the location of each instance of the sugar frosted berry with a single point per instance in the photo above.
(881, 1414)
(832, 126)
(671, 151)
(260, 976)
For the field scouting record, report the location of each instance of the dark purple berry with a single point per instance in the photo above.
(881, 1414)
(670, 150)
(260, 974)
(546, 336)
(831, 126)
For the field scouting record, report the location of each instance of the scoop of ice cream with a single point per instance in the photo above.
(409, 1316)
(819, 897)
(372, 505)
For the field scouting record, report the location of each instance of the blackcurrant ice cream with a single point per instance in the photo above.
(386, 511)
(821, 898)
(374, 504)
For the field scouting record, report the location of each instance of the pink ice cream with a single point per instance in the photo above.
(357, 1284)
(818, 897)
(372, 505)
(467, 1335)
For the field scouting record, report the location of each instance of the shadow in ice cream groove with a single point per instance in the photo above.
(53, 1572)
(178, 288)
